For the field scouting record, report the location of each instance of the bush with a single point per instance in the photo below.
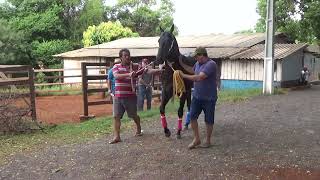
(105, 32)
(13, 117)
(43, 51)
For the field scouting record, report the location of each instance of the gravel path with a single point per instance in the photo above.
(267, 137)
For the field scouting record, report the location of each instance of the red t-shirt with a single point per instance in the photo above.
(123, 87)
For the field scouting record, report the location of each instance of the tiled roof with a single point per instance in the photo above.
(280, 51)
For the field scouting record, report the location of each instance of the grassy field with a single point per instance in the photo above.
(96, 128)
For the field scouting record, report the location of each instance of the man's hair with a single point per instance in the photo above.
(123, 50)
(200, 51)
(203, 54)
(145, 60)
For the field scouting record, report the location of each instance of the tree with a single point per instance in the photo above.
(13, 49)
(91, 14)
(43, 51)
(299, 19)
(46, 23)
(106, 32)
(142, 16)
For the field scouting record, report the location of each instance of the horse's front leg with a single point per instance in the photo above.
(165, 97)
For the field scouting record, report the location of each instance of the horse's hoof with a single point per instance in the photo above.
(167, 132)
(178, 136)
(186, 127)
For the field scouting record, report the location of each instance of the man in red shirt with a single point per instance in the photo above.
(125, 99)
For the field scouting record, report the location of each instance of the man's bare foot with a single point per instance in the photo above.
(194, 144)
(205, 145)
(114, 141)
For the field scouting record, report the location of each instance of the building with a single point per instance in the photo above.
(239, 56)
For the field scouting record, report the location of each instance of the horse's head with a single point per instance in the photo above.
(168, 46)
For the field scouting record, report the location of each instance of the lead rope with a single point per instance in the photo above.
(178, 84)
(131, 69)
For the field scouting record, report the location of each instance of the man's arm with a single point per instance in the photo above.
(154, 71)
(109, 86)
(196, 77)
(122, 76)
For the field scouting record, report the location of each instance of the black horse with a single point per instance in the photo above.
(169, 54)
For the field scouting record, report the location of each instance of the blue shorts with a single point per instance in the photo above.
(208, 107)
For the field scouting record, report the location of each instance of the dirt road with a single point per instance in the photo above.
(267, 137)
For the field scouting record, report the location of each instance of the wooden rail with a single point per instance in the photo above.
(5, 81)
(86, 90)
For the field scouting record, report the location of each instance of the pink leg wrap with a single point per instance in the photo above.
(179, 124)
(163, 121)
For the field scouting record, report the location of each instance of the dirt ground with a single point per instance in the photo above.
(67, 109)
(267, 137)
(62, 109)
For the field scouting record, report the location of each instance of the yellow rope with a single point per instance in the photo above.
(178, 84)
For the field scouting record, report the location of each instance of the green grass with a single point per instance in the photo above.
(95, 128)
(237, 95)
(58, 91)
(46, 91)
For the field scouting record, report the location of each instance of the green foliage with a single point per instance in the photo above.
(141, 15)
(39, 20)
(40, 78)
(235, 95)
(46, 25)
(43, 51)
(298, 19)
(33, 30)
(91, 14)
(105, 32)
(13, 46)
(248, 31)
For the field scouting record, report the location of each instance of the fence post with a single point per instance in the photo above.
(32, 94)
(59, 80)
(84, 88)
(84, 73)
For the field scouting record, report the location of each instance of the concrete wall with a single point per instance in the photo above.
(313, 64)
(291, 68)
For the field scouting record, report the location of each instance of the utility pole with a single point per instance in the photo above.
(268, 71)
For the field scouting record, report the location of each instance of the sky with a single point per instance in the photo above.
(200, 17)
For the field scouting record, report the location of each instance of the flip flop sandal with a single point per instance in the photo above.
(193, 145)
(115, 141)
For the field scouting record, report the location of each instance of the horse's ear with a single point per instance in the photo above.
(172, 28)
(161, 30)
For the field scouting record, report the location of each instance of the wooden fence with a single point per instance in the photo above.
(12, 82)
(86, 90)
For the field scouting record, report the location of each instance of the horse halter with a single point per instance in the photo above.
(171, 46)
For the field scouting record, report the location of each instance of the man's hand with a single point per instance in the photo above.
(133, 74)
(181, 73)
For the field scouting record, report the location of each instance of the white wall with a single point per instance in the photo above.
(246, 70)
(69, 64)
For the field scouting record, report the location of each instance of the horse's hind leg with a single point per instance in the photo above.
(165, 97)
(187, 118)
(180, 114)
